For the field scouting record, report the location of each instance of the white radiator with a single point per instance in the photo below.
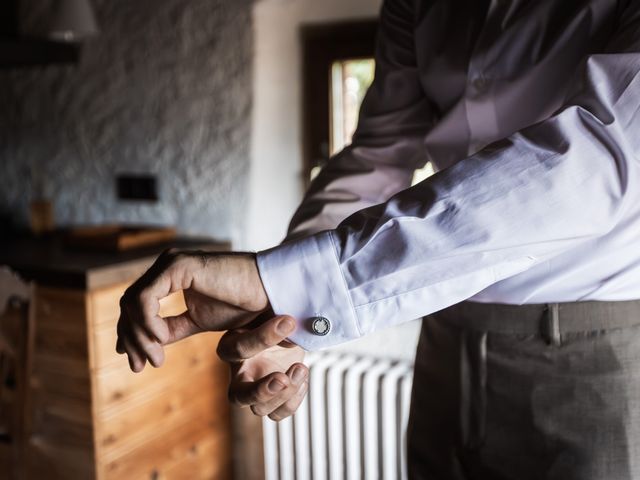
(351, 425)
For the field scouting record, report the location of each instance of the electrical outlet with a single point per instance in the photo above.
(137, 187)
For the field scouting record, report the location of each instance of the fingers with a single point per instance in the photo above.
(171, 272)
(142, 308)
(297, 374)
(180, 326)
(238, 345)
(215, 314)
(247, 393)
(141, 331)
(152, 350)
(137, 359)
(119, 343)
(299, 378)
(139, 346)
(276, 395)
(230, 295)
(289, 407)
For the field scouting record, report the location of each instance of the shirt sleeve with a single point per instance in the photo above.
(387, 146)
(527, 198)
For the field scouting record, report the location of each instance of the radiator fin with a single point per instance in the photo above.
(351, 426)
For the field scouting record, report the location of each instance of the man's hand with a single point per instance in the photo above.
(222, 291)
(258, 358)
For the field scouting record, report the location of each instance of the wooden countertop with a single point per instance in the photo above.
(47, 261)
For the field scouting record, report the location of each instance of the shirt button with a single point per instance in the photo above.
(320, 325)
(479, 83)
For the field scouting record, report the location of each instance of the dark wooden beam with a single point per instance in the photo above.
(25, 52)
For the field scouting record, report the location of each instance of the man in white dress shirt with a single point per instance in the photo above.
(522, 249)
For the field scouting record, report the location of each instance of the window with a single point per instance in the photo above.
(350, 80)
(338, 69)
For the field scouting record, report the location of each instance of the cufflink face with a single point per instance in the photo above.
(320, 325)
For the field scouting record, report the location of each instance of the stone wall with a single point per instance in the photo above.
(164, 89)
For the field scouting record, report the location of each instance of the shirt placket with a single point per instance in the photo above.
(480, 108)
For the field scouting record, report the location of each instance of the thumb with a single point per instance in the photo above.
(238, 345)
(181, 326)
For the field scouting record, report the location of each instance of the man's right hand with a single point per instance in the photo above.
(266, 370)
(222, 291)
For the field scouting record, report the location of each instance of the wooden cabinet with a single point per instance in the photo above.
(91, 417)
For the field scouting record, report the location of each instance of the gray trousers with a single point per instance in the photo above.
(527, 392)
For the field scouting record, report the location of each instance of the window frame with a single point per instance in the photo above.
(322, 46)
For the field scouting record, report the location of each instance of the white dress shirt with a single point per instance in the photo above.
(530, 112)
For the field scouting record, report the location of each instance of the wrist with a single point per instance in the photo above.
(254, 280)
(232, 278)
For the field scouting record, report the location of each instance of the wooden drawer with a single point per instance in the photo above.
(60, 308)
(60, 325)
(63, 382)
(117, 385)
(159, 457)
(66, 409)
(63, 343)
(44, 365)
(198, 463)
(197, 396)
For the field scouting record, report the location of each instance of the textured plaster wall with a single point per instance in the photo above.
(165, 89)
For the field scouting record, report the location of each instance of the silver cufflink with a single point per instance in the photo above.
(320, 325)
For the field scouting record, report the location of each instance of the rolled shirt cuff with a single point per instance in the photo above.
(303, 279)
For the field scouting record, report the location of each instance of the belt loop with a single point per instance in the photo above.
(473, 396)
(550, 328)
